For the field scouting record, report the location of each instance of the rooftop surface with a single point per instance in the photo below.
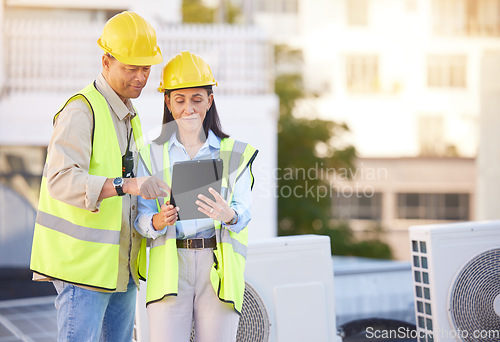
(28, 320)
(365, 288)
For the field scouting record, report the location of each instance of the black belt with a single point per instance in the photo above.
(197, 243)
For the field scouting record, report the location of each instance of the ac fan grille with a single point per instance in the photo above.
(254, 322)
(474, 291)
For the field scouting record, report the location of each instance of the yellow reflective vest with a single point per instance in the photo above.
(74, 244)
(230, 254)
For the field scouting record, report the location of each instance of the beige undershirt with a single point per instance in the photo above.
(67, 168)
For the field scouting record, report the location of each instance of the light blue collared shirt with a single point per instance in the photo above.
(199, 228)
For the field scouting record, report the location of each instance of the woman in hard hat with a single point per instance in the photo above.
(196, 266)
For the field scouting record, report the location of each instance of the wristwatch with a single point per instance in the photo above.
(118, 183)
(234, 219)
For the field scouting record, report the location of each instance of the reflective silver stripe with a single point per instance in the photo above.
(162, 239)
(78, 232)
(156, 159)
(156, 154)
(223, 192)
(239, 248)
(146, 166)
(223, 236)
(234, 163)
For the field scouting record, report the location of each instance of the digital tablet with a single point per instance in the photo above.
(191, 178)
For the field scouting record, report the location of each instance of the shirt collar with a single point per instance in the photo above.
(212, 141)
(120, 108)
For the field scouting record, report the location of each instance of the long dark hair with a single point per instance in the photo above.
(211, 122)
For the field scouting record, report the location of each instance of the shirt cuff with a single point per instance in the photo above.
(152, 232)
(239, 225)
(93, 191)
(144, 225)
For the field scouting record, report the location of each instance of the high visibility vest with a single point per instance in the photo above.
(73, 244)
(227, 272)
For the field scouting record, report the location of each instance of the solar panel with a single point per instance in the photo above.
(31, 320)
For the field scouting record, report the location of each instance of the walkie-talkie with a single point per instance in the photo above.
(128, 161)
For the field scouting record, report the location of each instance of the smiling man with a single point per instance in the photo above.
(84, 241)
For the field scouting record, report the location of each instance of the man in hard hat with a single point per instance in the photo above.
(84, 241)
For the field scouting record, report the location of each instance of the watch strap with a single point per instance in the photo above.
(119, 188)
(234, 220)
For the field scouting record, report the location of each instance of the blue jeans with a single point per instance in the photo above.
(86, 315)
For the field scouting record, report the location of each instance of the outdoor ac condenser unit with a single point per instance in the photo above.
(456, 276)
(289, 295)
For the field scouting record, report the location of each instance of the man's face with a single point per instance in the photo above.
(126, 80)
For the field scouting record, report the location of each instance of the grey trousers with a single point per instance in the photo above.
(171, 319)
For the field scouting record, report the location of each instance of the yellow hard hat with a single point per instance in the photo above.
(130, 39)
(186, 70)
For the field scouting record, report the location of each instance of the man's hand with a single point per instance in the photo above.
(146, 187)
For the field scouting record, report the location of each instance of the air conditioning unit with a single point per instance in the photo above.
(456, 276)
(289, 294)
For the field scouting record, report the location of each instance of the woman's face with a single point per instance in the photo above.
(189, 108)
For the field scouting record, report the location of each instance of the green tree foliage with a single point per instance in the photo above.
(193, 11)
(343, 242)
(309, 149)
(305, 153)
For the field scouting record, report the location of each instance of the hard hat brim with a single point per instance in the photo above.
(139, 61)
(187, 85)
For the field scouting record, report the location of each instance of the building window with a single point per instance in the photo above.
(466, 17)
(21, 170)
(425, 206)
(277, 6)
(263, 6)
(362, 73)
(357, 12)
(431, 133)
(357, 207)
(289, 6)
(411, 5)
(446, 71)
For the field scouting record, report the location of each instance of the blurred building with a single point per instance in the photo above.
(385, 196)
(50, 51)
(403, 74)
(408, 77)
(416, 81)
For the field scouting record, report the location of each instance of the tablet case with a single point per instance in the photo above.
(191, 178)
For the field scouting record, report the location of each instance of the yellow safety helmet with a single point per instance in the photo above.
(130, 39)
(186, 70)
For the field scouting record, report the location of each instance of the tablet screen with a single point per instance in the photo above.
(191, 178)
